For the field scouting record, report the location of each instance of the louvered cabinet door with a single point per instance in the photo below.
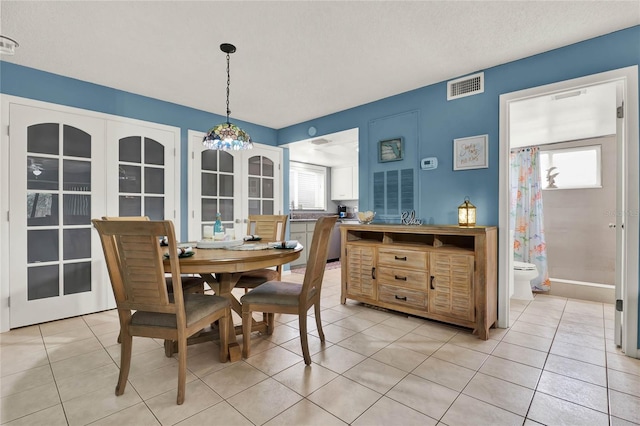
(360, 271)
(451, 285)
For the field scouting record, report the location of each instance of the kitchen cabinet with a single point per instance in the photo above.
(302, 231)
(344, 183)
(447, 273)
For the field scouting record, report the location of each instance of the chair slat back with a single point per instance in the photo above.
(318, 251)
(135, 263)
(268, 227)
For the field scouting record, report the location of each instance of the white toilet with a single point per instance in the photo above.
(523, 273)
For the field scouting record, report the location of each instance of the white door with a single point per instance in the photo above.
(141, 170)
(234, 183)
(56, 186)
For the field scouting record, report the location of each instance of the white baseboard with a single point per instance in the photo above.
(583, 291)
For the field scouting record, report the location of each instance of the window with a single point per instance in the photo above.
(570, 168)
(307, 186)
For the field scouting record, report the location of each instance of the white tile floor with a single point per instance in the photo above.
(557, 364)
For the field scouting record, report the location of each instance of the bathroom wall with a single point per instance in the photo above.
(580, 244)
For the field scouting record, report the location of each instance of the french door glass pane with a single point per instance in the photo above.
(254, 207)
(130, 206)
(130, 177)
(130, 149)
(153, 152)
(77, 143)
(209, 159)
(153, 180)
(209, 184)
(267, 188)
(42, 209)
(267, 207)
(226, 209)
(42, 173)
(42, 245)
(267, 167)
(76, 175)
(209, 209)
(154, 207)
(226, 185)
(43, 138)
(76, 243)
(226, 162)
(254, 165)
(77, 277)
(76, 209)
(254, 187)
(42, 282)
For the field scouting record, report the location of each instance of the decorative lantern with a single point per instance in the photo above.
(467, 213)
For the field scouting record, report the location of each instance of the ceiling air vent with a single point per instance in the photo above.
(465, 86)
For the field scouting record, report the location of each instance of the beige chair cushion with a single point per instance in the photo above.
(197, 306)
(276, 293)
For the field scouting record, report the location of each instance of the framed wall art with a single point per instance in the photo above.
(471, 153)
(390, 150)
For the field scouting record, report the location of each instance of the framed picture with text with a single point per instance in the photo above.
(390, 150)
(471, 153)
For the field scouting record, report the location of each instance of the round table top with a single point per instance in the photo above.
(228, 260)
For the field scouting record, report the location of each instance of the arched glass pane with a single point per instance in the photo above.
(43, 138)
(254, 165)
(76, 142)
(209, 160)
(131, 149)
(267, 167)
(153, 152)
(226, 162)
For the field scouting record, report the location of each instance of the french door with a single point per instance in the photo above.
(234, 183)
(65, 167)
(57, 184)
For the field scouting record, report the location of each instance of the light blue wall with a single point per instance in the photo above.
(438, 121)
(43, 86)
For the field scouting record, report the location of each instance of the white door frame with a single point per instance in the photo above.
(629, 78)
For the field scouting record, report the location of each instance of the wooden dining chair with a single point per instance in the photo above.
(270, 228)
(190, 284)
(292, 298)
(135, 262)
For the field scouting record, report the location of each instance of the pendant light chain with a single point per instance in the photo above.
(228, 84)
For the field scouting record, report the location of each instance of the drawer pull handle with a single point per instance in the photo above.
(433, 287)
(373, 273)
(401, 258)
(400, 278)
(401, 298)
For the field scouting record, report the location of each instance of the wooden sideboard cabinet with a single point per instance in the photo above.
(447, 273)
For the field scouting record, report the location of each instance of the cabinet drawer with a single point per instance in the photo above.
(402, 296)
(403, 278)
(398, 258)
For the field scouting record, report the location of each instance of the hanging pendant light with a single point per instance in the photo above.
(227, 136)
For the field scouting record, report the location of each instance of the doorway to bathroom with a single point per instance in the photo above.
(622, 214)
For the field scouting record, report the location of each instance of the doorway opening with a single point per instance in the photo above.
(625, 217)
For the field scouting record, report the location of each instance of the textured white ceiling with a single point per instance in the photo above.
(295, 60)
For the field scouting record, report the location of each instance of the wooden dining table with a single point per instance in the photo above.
(228, 264)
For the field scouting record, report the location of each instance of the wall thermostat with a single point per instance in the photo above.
(429, 163)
